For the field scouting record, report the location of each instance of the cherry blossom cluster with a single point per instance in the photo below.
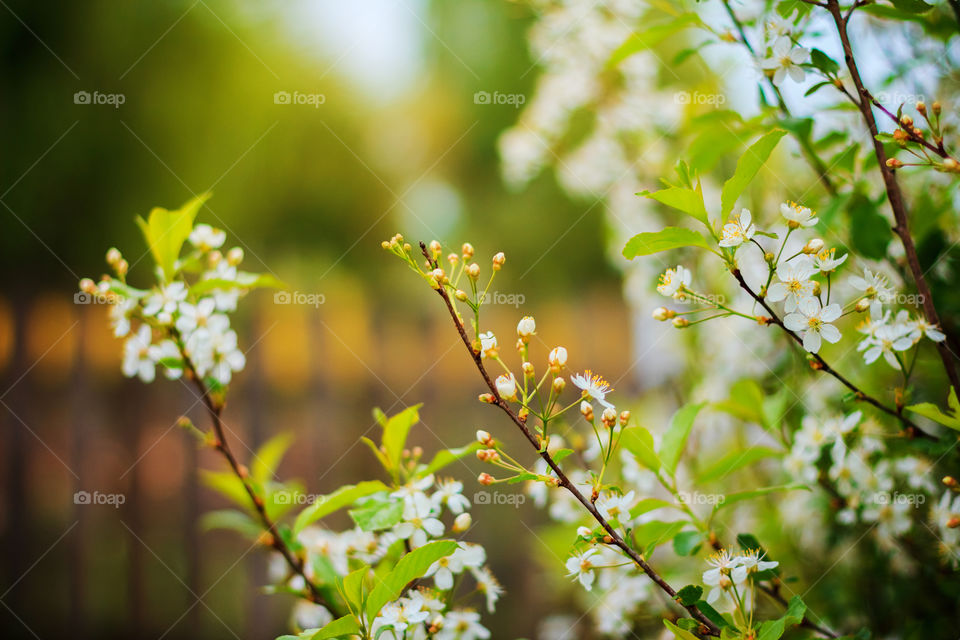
(731, 580)
(179, 320)
(424, 612)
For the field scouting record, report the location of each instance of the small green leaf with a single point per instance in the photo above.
(244, 280)
(649, 504)
(227, 485)
(232, 520)
(353, 588)
(680, 634)
(644, 244)
(933, 412)
(268, 457)
(395, 433)
(689, 201)
(339, 628)
(747, 167)
(675, 439)
(735, 460)
(774, 629)
(650, 535)
(689, 595)
(165, 232)
(912, 6)
(561, 454)
(648, 38)
(740, 496)
(447, 456)
(410, 567)
(342, 497)
(824, 63)
(377, 515)
(639, 442)
(687, 543)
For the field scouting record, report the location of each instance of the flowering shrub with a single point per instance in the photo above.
(394, 574)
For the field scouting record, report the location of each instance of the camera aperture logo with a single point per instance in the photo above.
(515, 100)
(97, 498)
(297, 98)
(97, 98)
(299, 297)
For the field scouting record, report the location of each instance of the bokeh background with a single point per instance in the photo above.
(309, 191)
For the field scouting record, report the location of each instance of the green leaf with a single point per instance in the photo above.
(410, 567)
(244, 280)
(227, 485)
(353, 588)
(232, 520)
(268, 457)
(912, 6)
(650, 535)
(377, 514)
(689, 201)
(649, 504)
(712, 614)
(342, 497)
(730, 462)
(687, 543)
(681, 634)
(345, 626)
(747, 167)
(648, 38)
(869, 230)
(774, 629)
(745, 402)
(166, 231)
(740, 496)
(561, 454)
(639, 442)
(447, 456)
(689, 595)
(933, 412)
(644, 244)
(395, 433)
(675, 439)
(824, 63)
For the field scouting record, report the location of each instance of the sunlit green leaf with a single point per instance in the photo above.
(165, 232)
(675, 438)
(342, 497)
(644, 244)
(747, 167)
(410, 567)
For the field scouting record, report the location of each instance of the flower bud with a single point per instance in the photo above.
(953, 522)
(949, 481)
(406, 247)
(467, 250)
(921, 108)
(523, 414)
(624, 418)
(936, 108)
(680, 323)
(88, 286)
(813, 247)
(438, 275)
(662, 314)
(587, 410)
(462, 522)
(485, 479)
(906, 121)
(473, 270)
(487, 397)
(951, 165)
(901, 137)
(483, 455)
(769, 256)
(526, 328)
(453, 259)
(559, 384)
(816, 288)
(557, 358)
(507, 386)
(498, 261)
(113, 256)
(435, 248)
(609, 417)
(460, 295)
(893, 163)
(862, 305)
(527, 369)
(122, 267)
(235, 256)
(385, 244)
(484, 437)
(214, 258)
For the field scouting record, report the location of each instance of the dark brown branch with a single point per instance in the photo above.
(708, 628)
(819, 363)
(215, 410)
(894, 194)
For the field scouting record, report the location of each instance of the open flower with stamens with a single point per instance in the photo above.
(825, 262)
(673, 281)
(814, 323)
(785, 59)
(719, 576)
(795, 283)
(749, 563)
(740, 229)
(798, 215)
(580, 567)
(593, 386)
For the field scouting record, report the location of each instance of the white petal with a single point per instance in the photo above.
(830, 333)
(811, 341)
(831, 312)
(795, 322)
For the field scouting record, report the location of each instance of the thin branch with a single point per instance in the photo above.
(894, 194)
(616, 539)
(215, 411)
(911, 427)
